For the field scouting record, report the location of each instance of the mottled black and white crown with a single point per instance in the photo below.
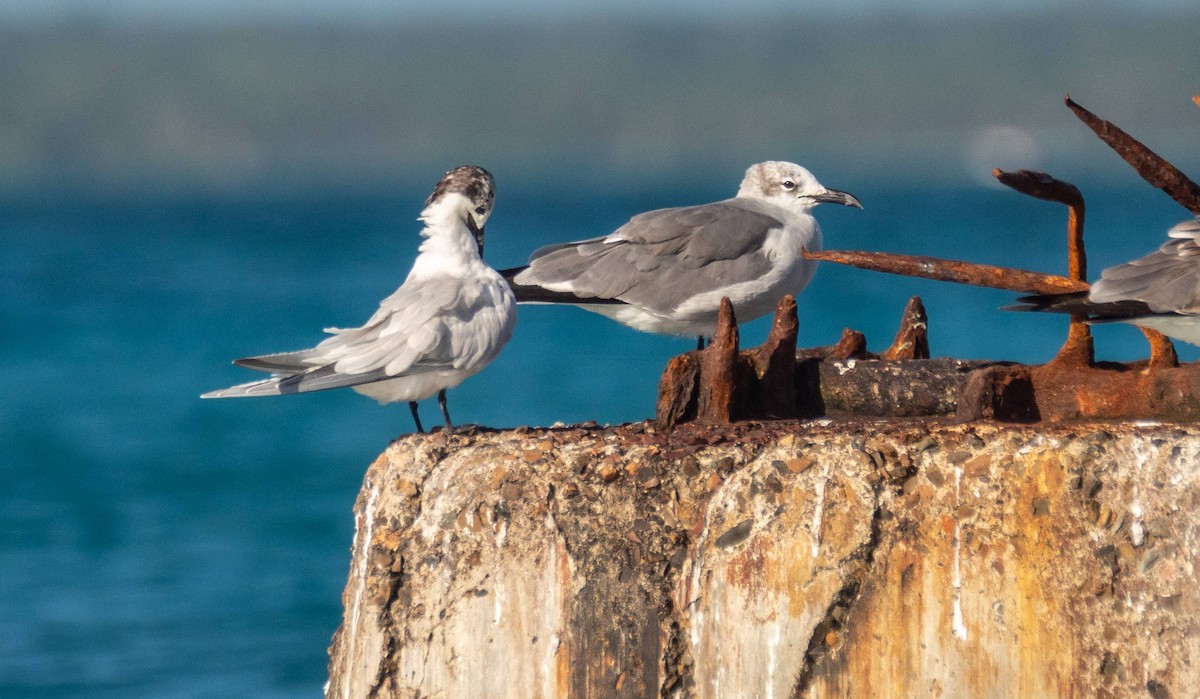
(471, 181)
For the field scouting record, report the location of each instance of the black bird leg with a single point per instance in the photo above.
(412, 405)
(445, 412)
(699, 342)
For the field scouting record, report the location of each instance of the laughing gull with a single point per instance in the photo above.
(1160, 291)
(447, 321)
(665, 271)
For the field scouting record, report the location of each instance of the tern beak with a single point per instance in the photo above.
(477, 231)
(834, 196)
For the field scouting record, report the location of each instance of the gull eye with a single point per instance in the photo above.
(789, 185)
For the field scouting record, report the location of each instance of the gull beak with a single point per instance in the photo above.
(477, 231)
(833, 196)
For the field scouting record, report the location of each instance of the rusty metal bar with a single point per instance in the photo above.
(774, 363)
(718, 370)
(1040, 185)
(912, 341)
(1079, 348)
(956, 271)
(1152, 167)
(720, 384)
(1162, 350)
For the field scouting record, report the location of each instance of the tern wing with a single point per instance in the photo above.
(318, 379)
(1166, 280)
(422, 327)
(661, 258)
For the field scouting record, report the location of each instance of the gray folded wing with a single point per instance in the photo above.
(1167, 280)
(660, 259)
(414, 331)
(318, 379)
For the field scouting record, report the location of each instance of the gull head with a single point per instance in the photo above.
(790, 186)
(470, 192)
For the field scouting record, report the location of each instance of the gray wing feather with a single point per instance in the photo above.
(318, 379)
(279, 363)
(1166, 280)
(409, 334)
(547, 249)
(655, 260)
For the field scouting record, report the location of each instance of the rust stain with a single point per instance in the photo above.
(563, 665)
(1038, 557)
(948, 524)
(911, 612)
(883, 646)
(1051, 475)
(793, 571)
(1038, 670)
(746, 568)
(898, 639)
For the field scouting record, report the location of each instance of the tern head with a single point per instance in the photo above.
(791, 186)
(472, 192)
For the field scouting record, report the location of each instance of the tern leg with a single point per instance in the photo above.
(445, 412)
(412, 405)
(699, 342)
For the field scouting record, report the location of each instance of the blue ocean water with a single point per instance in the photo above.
(156, 545)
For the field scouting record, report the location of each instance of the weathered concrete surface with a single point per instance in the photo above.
(788, 559)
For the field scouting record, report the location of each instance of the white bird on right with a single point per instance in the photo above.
(1160, 291)
(665, 271)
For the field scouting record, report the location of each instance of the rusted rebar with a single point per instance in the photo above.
(1079, 348)
(720, 384)
(956, 271)
(774, 363)
(718, 369)
(1151, 166)
(677, 391)
(1162, 350)
(1040, 185)
(912, 341)
(852, 345)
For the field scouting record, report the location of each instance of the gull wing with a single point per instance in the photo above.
(1077, 302)
(661, 258)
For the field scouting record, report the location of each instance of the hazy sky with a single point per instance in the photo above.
(223, 10)
(103, 91)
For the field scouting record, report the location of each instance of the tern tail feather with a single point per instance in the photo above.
(266, 387)
(318, 379)
(280, 363)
